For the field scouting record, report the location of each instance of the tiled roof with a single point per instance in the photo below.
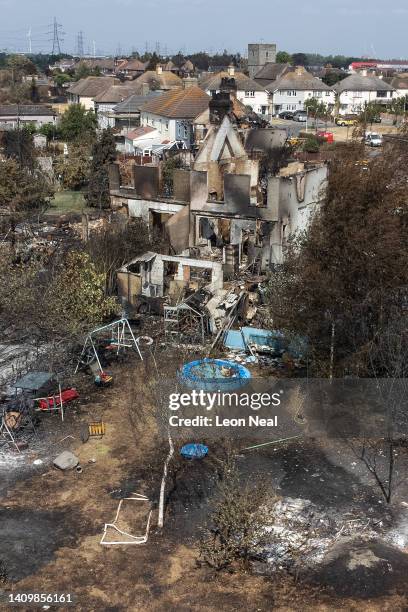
(133, 103)
(115, 93)
(165, 80)
(271, 71)
(212, 82)
(188, 66)
(134, 65)
(92, 86)
(138, 132)
(359, 82)
(103, 64)
(298, 79)
(399, 81)
(11, 110)
(180, 103)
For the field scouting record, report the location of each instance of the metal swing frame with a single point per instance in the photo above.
(118, 329)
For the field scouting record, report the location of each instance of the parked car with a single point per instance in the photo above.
(377, 119)
(300, 116)
(373, 139)
(346, 121)
(286, 115)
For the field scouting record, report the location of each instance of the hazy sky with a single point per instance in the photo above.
(325, 26)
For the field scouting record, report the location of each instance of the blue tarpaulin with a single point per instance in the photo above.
(263, 340)
(194, 451)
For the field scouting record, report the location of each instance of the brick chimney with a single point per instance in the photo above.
(189, 82)
(231, 70)
(159, 69)
(221, 103)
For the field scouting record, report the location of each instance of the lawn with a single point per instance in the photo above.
(67, 202)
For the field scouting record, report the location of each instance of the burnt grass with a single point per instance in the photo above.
(29, 539)
(299, 470)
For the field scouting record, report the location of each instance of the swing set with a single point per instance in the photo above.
(120, 338)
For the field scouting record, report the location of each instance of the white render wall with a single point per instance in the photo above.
(354, 101)
(294, 100)
(101, 110)
(165, 127)
(256, 102)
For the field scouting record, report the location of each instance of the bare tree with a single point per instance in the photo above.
(238, 521)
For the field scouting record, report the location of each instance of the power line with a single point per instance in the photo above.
(57, 39)
(80, 44)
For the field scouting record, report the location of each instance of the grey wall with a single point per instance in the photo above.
(181, 185)
(146, 181)
(237, 189)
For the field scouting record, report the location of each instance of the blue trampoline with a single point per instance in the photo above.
(194, 451)
(214, 375)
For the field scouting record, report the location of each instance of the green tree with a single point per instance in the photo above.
(398, 107)
(311, 145)
(299, 59)
(282, 57)
(77, 122)
(19, 66)
(23, 191)
(51, 131)
(73, 170)
(103, 153)
(332, 77)
(316, 109)
(342, 279)
(76, 295)
(62, 78)
(369, 113)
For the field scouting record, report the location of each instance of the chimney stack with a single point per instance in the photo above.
(222, 103)
(159, 69)
(189, 82)
(145, 89)
(231, 70)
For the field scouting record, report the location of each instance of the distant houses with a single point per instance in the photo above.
(173, 113)
(17, 115)
(248, 91)
(357, 90)
(290, 91)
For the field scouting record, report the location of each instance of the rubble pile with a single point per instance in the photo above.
(300, 533)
